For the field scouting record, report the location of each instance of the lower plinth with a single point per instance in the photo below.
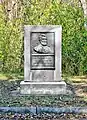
(40, 88)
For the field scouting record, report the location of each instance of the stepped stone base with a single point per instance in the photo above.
(41, 88)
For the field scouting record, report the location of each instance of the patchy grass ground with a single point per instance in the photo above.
(79, 84)
(9, 76)
(9, 96)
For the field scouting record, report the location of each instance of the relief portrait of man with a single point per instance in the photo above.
(42, 47)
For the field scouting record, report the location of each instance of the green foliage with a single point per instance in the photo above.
(10, 43)
(2, 31)
(13, 45)
(37, 12)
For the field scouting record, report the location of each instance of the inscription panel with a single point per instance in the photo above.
(43, 62)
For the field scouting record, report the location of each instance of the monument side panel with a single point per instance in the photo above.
(26, 54)
(58, 38)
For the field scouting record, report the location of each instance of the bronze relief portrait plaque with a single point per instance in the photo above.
(42, 50)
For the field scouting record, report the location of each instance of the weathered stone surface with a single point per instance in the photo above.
(40, 110)
(43, 87)
(42, 75)
(42, 60)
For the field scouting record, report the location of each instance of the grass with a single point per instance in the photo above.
(3, 77)
(8, 76)
(75, 79)
(80, 85)
(11, 82)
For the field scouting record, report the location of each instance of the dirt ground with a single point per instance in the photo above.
(76, 97)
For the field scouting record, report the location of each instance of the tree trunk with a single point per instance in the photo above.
(84, 6)
(13, 8)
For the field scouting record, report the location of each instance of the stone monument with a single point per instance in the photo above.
(42, 60)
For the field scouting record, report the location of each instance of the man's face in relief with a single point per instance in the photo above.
(43, 40)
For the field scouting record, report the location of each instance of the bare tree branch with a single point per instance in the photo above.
(84, 6)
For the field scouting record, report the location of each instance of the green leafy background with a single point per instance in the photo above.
(37, 12)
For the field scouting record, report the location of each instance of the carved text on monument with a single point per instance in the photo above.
(43, 62)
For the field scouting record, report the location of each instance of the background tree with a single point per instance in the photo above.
(67, 13)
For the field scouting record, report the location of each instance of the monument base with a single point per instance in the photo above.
(41, 88)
